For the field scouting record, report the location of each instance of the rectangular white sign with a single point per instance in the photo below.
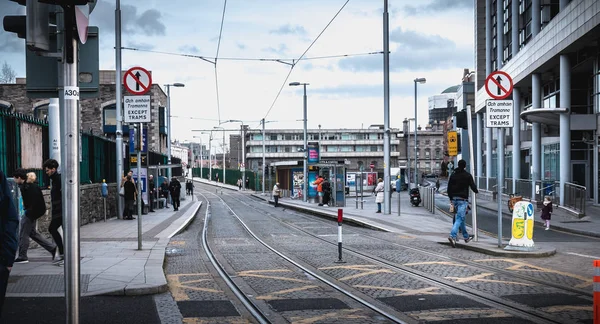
(137, 109)
(499, 113)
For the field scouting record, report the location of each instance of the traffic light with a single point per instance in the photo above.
(461, 119)
(34, 27)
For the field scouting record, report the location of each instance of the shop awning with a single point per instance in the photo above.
(548, 116)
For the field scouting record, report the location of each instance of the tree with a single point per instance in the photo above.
(7, 74)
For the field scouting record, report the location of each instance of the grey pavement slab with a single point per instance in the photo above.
(110, 263)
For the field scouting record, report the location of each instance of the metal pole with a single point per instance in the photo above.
(201, 159)
(54, 129)
(223, 155)
(415, 175)
(139, 184)
(387, 204)
(169, 131)
(244, 157)
(70, 179)
(210, 157)
(305, 166)
(264, 153)
(500, 181)
(340, 219)
(118, 107)
(472, 169)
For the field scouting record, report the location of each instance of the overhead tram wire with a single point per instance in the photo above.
(216, 58)
(301, 56)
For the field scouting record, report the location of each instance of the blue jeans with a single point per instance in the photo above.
(461, 209)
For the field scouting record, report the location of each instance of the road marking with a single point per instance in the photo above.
(286, 291)
(365, 271)
(443, 315)
(405, 292)
(566, 308)
(348, 314)
(450, 263)
(481, 277)
(178, 287)
(256, 274)
(519, 266)
(199, 320)
(584, 255)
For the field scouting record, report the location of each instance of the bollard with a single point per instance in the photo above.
(104, 200)
(596, 292)
(340, 219)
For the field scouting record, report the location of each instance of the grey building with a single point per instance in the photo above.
(551, 51)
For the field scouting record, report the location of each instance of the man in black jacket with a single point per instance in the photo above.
(9, 224)
(175, 191)
(151, 192)
(458, 192)
(50, 167)
(35, 207)
(130, 197)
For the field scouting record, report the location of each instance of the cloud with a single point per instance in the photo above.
(289, 30)
(148, 22)
(414, 51)
(189, 49)
(240, 46)
(437, 6)
(142, 46)
(281, 49)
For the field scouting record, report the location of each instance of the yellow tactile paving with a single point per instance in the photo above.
(481, 277)
(344, 314)
(271, 296)
(519, 266)
(178, 287)
(257, 274)
(406, 292)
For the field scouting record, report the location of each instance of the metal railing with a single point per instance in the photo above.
(481, 183)
(575, 196)
(523, 188)
(428, 196)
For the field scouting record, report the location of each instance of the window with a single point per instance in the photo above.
(373, 136)
(272, 137)
(256, 149)
(346, 148)
(427, 142)
(110, 116)
(373, 148)
(287, 137)
(418, 153)
(361, 148)
(40, 112)
(332, 148)
(427, 154)
(346, 137)
(257, 137)
(418, 143)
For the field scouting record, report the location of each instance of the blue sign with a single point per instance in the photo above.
(132, 132)
(530, 210)
(313, 154)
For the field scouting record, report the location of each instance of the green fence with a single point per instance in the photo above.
(232, 176)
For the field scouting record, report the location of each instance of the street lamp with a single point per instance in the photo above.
(417, 80)
(305, 169)
(178, 85)
(217, 127)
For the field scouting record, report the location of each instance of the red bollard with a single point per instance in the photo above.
(596, 292)
(340, 219)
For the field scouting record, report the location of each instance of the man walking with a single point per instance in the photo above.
(151, 193)
(130, 197)
(175, 190)
(276, 194)
(35, 207)
(51, 167)
(458, 192)
(9, 223)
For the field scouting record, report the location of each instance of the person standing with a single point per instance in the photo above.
(319, 184)
(9, 224)
(247, 184)
(276, 193)
(164, 188)
(192, 189)
(458, 191)
(175, 191)
(151, 193)
(130, 197)
(35, 207)
(51, 167)
(437, 185)
(547, 212)
(239, 183)
(326, 192)
(379, 191)
(216, 177)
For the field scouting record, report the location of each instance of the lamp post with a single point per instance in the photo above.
(217, 127)
(179, 85)
(407, 143)
(417, 81)
(305, 167)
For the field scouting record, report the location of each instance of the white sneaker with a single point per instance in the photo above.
(325, 205)
(547, 228)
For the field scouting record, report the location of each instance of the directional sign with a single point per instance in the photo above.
(452, 143)
(499, 113)
(137, 81)
(499, 85)
(133, 139)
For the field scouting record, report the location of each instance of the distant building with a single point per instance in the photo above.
(443, 105)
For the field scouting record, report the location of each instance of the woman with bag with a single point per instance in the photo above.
(379, 192)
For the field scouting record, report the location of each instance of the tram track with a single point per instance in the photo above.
(486, 298)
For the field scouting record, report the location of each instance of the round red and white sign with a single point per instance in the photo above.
(499, 85)
(137, 80)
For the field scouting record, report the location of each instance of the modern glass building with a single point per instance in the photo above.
(550, 49)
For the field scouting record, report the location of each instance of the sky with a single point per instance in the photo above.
(432, 39)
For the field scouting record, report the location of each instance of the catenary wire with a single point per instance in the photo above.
(216, 58)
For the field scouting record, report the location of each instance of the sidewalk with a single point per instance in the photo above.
(413, 222)
(110, 262)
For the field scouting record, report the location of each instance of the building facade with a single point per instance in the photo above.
(551, 51)
(443, 105)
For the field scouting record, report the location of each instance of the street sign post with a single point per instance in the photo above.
(452, 143)
(499, 114)
(137, 81)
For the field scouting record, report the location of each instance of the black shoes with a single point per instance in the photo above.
(21, 260)
(452, 241)
(467, 240)
(379, 212)
(53, 252)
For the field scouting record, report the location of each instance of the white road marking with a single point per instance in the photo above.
(584, 255)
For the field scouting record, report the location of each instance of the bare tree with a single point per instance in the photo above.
(7, 74)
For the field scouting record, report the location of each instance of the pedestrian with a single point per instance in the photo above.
(247, 183)
(35, 207)
(326, 192)
(51, 167)
(216, 177)
(319, 184)
(437, 185)
(547, 212)
(9, 220)
(239, 184)
(458, 191)
(192, 189)
(130, 197)
(164, 189)
(379, 192)
(450, 168)
(175, 191)
(276, 193)
(151, 193)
